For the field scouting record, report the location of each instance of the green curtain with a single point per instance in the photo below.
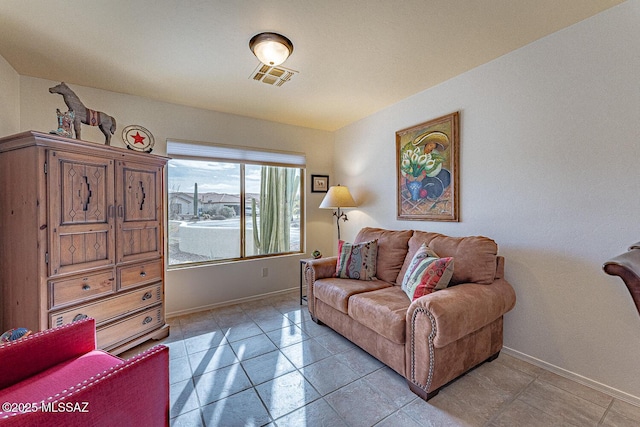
(278, 188)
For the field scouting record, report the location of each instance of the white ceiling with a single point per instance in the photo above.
(354, 57)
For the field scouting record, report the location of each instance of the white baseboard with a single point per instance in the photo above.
(231, 302)
(618, 394)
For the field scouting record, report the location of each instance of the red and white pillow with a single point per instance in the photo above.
(427, 273)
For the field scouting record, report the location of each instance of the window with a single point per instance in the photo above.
(229, 203)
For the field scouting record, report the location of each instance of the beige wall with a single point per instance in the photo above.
(10, 95)
(189, 289)
(549, 165)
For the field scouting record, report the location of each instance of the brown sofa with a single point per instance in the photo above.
(435, 338)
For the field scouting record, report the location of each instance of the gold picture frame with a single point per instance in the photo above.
(427, 170)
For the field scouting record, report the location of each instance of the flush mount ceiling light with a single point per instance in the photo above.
(270, 48)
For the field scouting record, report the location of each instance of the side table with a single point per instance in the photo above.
(303, 263)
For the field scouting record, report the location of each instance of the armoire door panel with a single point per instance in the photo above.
(83, 192)
(139, 195)
(81, 248)
(141, 239)
(81, 212)
(138, 217)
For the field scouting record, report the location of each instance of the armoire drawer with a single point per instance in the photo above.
(140, 274)
(81, 288)
(130, 327)
(110, 308)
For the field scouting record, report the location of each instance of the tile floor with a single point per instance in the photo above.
(266, 363)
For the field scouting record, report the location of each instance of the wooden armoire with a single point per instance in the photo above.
(81, 235)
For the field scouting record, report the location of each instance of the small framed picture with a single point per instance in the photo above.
(319, 183)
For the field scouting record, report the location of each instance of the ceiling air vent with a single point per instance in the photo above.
(275, 76)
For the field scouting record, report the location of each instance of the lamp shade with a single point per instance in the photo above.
(338, 196)
(270, 48)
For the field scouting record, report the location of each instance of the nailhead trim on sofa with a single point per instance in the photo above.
(64, 394)
(434, 331)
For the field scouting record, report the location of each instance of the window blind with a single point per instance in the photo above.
(230, 153)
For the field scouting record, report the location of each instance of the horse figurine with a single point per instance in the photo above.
(82, 114)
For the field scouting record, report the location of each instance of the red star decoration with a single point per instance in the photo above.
(137, 138)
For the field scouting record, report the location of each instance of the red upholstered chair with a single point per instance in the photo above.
(58, 378)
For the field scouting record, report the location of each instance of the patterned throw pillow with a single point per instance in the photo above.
(14, 334)
(357, 261)
(426, 273)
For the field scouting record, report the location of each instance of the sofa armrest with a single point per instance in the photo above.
(461, 310)
(134, 392)
(316, 269)
(35, 353)
(322, 268)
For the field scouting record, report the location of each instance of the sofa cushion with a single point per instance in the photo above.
(475, 256)
(60, 377)
(335, 292)
(392, 250)
(357, 260)
(383, 311)
(426, 273)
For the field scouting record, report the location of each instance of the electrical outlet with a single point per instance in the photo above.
(265, 271)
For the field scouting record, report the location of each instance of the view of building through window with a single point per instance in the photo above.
(213, 204)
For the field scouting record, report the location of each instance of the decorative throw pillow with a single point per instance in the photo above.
(14, 334)
(426, 273)
(357, 261)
